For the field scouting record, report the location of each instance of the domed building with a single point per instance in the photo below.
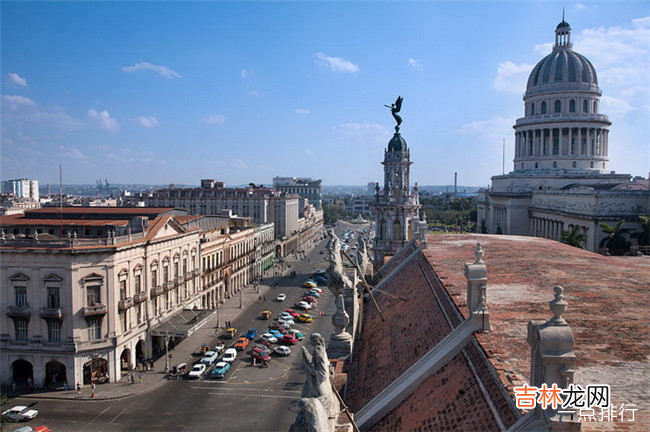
(560, 177)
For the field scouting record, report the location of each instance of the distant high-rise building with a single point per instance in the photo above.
(21, 188)
(305, 187)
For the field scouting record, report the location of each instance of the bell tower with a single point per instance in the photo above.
(396, 206)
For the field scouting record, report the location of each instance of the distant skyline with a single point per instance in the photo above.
(169, 92)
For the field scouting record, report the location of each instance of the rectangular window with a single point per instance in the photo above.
(53, 299)
(165, 274)
(53, 331)
(123, 289)
(137, 284)
(123, 321)
(138, 315)
(154, 278)
(21, 329)
(176, 269)
(92, 295)
(21, 295)
(94, 328)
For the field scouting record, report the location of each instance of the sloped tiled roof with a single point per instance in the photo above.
(451, 398)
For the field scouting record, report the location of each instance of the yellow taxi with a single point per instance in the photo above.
(306, 318)
(230, 333)
(265, 315)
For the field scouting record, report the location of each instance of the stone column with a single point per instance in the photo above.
(476, 274)
(553, 359)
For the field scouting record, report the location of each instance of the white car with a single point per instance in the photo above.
(230, 355)
(282, 351)
(285, 315)
(286, 321)
(316, 289)
(197, 371)
(281, 297)
(20, 413)
(303, 305)
(269, 338)
(210, 357)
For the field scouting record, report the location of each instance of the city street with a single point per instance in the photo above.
(248, 398)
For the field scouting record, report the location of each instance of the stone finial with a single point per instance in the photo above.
(478, 253)
(558, 306)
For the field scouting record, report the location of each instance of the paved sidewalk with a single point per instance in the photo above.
(182, 352)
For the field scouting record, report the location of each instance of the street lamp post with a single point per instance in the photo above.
(217, 314)
(167, 352)
(241, 297)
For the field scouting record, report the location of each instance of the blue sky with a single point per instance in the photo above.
(169, 92)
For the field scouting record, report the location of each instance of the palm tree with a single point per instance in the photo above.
(574, 237)
(616, 240)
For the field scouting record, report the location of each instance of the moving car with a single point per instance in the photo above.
(281, 297)
(210, 357)
(288, 339)
(269, 338)
(197, 371)
(220, 370)
(219, 347)
(265, 315)
(251, 333)
(20, 413)
(230, 355)
(306, 318)
(230, 333)
(241, 343)
(282, 351)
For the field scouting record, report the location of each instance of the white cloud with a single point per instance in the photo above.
(336, 64)
(16, 101)
(614, 106)
(214, 119)
(246, 73)
(239, 164)
(364, 131)
(160, 70)
(148, 122)
(16, 79)
(416, 64)
(302, 111)
(512, 77)
(72, 152)
(104, 120)
(495, 128)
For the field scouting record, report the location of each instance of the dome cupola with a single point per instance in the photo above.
(397, 143)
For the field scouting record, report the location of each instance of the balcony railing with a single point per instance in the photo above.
(156, 291)
(47, 312)
(125, 304)
(96, 309)
(19, 311)
(140, 297)
(168, 285)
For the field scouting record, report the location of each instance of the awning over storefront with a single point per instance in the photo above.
(184, 323)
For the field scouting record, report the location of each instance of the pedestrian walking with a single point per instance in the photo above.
(65, 385)
(78, 387)
(139, 377)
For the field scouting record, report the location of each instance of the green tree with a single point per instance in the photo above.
(574, 237)
(643, 237)
(330, 214)
(616, 238)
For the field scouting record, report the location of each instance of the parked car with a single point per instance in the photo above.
(281, 327)
(230, 333)
(210, 357)
(309, 284)
(320, 272)
(303, 305)
(230, 355)
(241, 343)
(310, 299)
(33, 429)
(316, 289)
(282, 351)
(306, 318)
(261, 355)
(286, 321)
(220, 370)
(288, 339)
(278, 334)
(320, 280)
(297, 334)
(269, 338)
(251, 333)
(285, 315)
(281, 297)
(20, 413)
(312, 293)
(292, 312)
(265, 315)
(197, 371)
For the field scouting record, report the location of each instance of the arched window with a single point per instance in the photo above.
(558, 106)
(572, 105)
(584, 106)
(574, 164)
(595, 106)
(543, 108)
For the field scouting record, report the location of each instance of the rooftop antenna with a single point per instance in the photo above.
(562, 13)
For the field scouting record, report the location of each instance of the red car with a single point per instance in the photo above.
(292, 312)
(288, 340)
(310, 299)
(261, 354)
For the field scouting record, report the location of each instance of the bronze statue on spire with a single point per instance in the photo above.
(394, 109)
